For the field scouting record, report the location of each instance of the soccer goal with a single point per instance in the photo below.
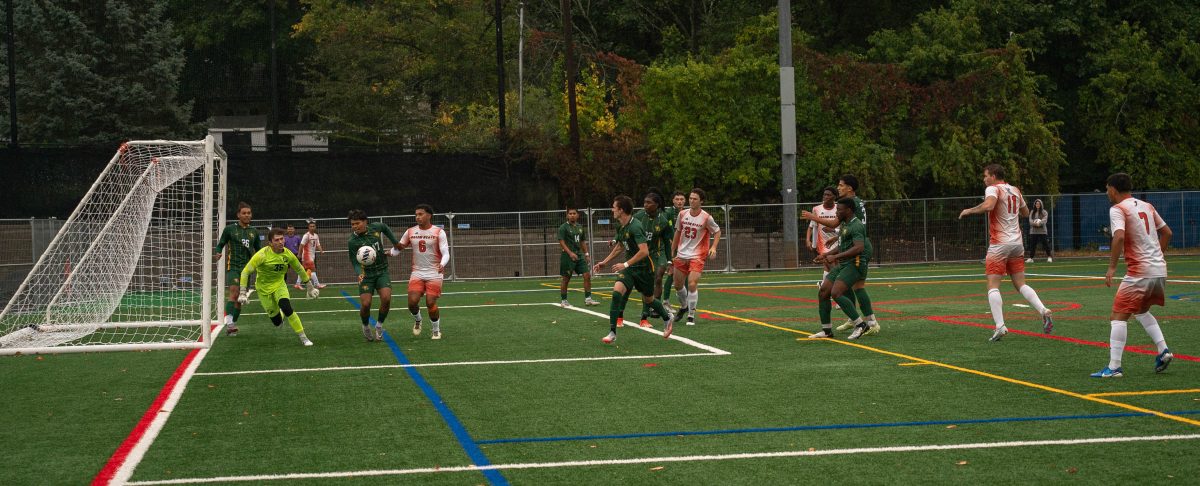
(132, 267)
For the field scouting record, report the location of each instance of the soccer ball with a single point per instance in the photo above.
(365, 255)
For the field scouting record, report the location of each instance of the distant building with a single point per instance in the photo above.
(251, 133)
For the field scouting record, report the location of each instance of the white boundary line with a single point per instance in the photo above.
(667, 459)
(1093, 277)
(455, 363)
(160, 419)
(652, 330)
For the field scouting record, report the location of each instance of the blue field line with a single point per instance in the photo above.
(464, 438)
(828, 427)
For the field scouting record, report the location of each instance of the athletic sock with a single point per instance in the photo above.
(437, 324)
(693, 298)
(562, 296)
(237, 312)
(996, 302)
(657, 306)
(313, 277)
(382, 317)
(587, 294)
(366, 319)
(1151, 325)
(848, 307)
(682, 294)
(825, 310)
(1116, 343)
(1032, 296)
(417, 316)
(615, 310)
(294, 321)
(229, 308)
(864, 303)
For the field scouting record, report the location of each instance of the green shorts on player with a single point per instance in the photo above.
(568, 267)
(849, 272)
(571, 235)
(372, 282)
(637, 278)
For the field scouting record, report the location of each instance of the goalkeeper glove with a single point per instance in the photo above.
(244, 297)
(313, 291)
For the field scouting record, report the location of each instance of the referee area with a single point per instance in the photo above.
(522, 391)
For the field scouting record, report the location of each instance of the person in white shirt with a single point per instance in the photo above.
(696, 238)
(1141, 234)
(310, 244)
(1004, 206)
(819, 238)
(431, 254)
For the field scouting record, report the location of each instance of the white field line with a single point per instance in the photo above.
(440, 307)
(669, 459)
(139, 450)
(1116, 279)
(456, 363)
(651, 330)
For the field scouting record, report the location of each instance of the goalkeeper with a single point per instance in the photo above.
(272, 264)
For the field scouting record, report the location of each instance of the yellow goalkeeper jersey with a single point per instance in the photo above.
(272, 268)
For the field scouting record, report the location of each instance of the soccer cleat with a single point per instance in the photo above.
(304, 340)
(824, 334)
(379, 333)
(231, 329)
(437, 334)
(1047, 322)
(368, 334)
(590, 301)
(564, 304)
(1050, 260)
(670, 325)
(620, 322)
(999, 333)
(846, 325)
(297, 287)
(872, 328)
(612, 336)
(1109, 373)
(859, 331)
(691, 321)
(1163, 360)
(1028, 260)
(416, 328)
(644, 323)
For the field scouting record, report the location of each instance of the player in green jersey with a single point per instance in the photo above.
(658, 239)
(241, 242)
(374, 277)
(847, 187)
(272, 263)
(678, 201)
(574, 258)
(853, 254)
(635, 272)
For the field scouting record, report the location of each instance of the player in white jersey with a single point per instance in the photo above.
(431, 254)
(1139, 232)
(1004, 206)
(310, 244)
(822, 239)
(693, 231)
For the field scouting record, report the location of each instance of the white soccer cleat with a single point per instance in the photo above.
(379, 333)
(564, 304)
(1028, 260)
(231, 329)
(999, 333)
(590, 301)
(304, 340)
(859, 331)
(437, 334)
(846, 325)
(823, 334)
(368, 334)
(416, 328)
(873, 328)
(612, 336)
(1050, 260)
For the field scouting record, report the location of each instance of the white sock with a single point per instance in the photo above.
(693, 297)
(824, 273)
(1031, 296)
(229, 319)
(1116, 343)
(682, 294)
(417, 316)
(313, 276)
(996, 302)
(1151, 324)
(437, 324)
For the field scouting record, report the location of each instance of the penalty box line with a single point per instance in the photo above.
(672, 459)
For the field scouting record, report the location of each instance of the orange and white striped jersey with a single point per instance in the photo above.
(824, 237)
(308, 246)
(695, 234)
(1143, 254)
(430, 248)
(1004, 220)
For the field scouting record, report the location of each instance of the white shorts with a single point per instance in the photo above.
(1137, 293)
(1005, 259)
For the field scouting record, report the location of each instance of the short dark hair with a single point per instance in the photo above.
(357, 214)
(1121, 182)
(276, 231)
(850, 180)
(290, 225)
(654, 196)
(572, 208)
(846, 201)
(625, 203)
(678, 193)
(425, 207)
(243, 205)
(996, 170)
(829, 189)
(699, 192)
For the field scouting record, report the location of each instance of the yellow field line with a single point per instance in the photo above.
(971, 371)
(914, 364)
(1151, 392)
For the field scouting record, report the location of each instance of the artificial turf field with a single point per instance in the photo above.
(522, 391)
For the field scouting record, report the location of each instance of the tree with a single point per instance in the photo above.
(96, 72)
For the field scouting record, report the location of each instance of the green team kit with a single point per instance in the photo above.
(572, 236)
(851, 270)
(375, 275)
(659, 233)
(640, 275)
(243, 243)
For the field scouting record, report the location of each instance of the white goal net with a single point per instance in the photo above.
(132, 267)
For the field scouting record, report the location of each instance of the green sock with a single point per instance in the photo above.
(825, 309)
(562, 296)
(850, 295)
(848, 306)
(237, 311)
(294, 321)
(656, 304)
(864, 302)
(669, 283)
(381, 317)
(229, 308)
(586, 295)
(615, 310)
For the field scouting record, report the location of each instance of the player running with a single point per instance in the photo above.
(852, 256)
(374, 277)
(635, 272)
(1004, 206)
(243, 242)
(272, 264)
(310, 244)
(693, 233)
(659, 232)
(431, 254)
(1141, 234)
(574, 258)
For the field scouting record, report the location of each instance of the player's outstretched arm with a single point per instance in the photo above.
(985, 206)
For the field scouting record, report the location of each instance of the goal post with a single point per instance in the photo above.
(132, 268)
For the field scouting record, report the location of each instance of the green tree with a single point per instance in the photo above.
(96, 72)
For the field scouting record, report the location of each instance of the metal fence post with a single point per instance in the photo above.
(1183, 219)
(450, 242)
(728, 242)
(521, 243)
(591, 236)
(925, 227)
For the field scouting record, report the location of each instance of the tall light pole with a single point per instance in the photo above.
(10, 38)
(787, 125)
(500, 60)
(520, 61)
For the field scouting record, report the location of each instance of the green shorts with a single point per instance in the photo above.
(372, 283)
(660, 262)
(270, 300)
(233, 276)
(849, 272)
(640, 279)
(566, 267)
